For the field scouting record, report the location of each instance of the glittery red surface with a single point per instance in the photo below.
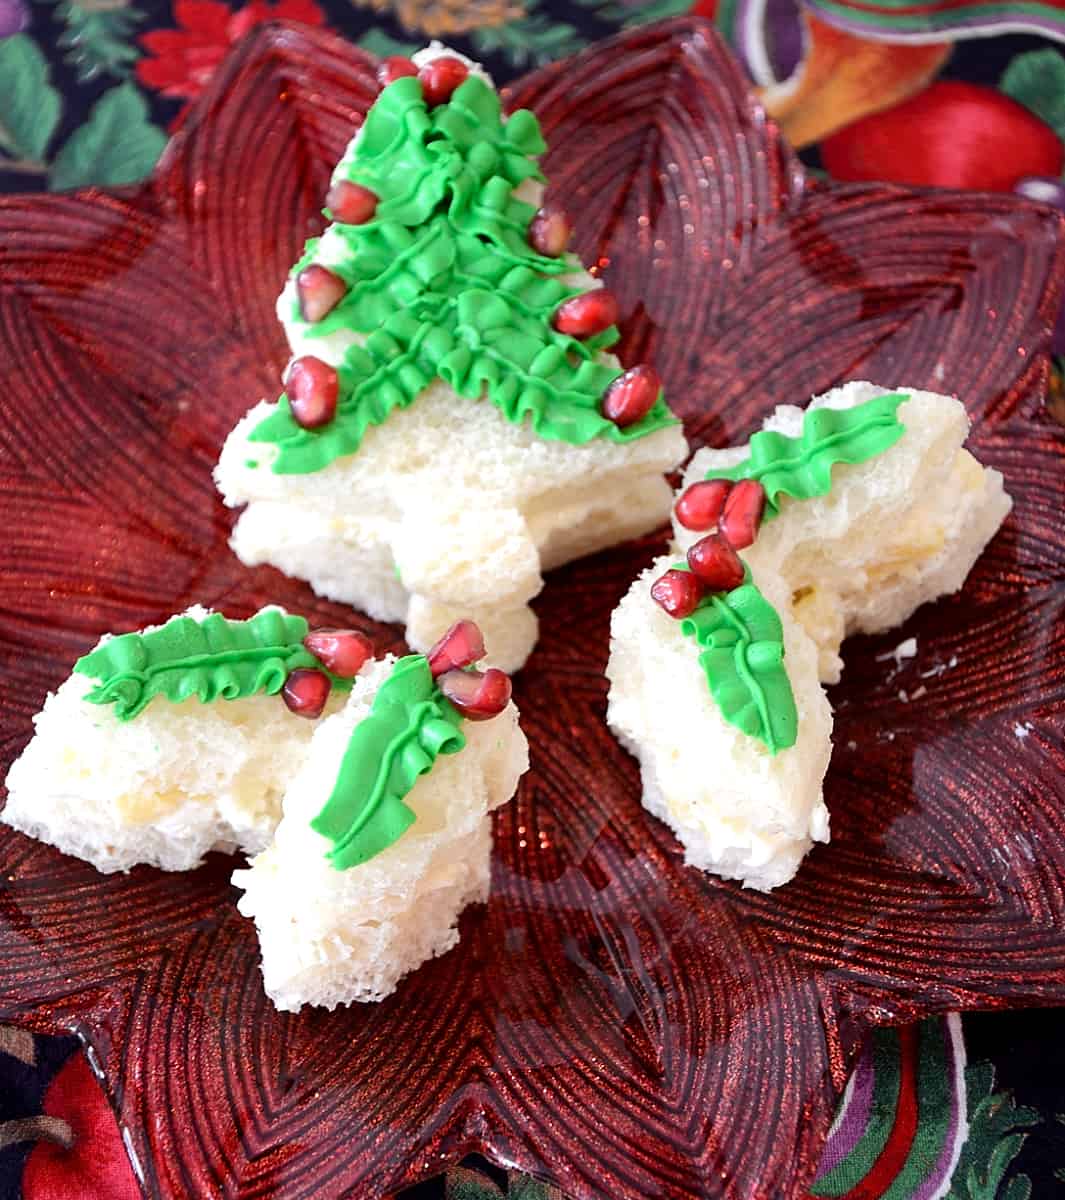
(612, 1020)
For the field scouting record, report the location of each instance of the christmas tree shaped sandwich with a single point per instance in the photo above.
(452, 423)
(848, 516)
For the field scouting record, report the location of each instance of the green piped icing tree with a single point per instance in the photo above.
(442, 283)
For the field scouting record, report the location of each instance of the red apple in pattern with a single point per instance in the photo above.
(955, 135)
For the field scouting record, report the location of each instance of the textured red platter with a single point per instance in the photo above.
(613, 1021)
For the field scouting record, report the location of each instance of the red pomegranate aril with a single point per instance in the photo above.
(699, 506)
(631, 396)
(351, 203)
(588, 314)
(306, 691)
(312, 387)
(341, 651)
(550, 231)
(394, 67)
(678, 592)
(440, 78)
(462, 645)
(743, 513)
(319, 291)
(478, 695)
(716, 564)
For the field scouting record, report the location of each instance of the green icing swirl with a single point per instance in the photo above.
(213, 659)
(444, 284)
(742, 642)
(802, 466)
(410, 723)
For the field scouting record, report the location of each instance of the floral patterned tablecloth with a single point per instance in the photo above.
(971, 1109)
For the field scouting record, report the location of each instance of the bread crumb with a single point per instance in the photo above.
(905, 649)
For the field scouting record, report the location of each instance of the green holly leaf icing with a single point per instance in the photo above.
(742, 644)
(212, 658)
(802, 466)
(410, 724)
(443, 283)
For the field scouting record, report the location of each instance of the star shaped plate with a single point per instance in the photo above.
(612, 1021)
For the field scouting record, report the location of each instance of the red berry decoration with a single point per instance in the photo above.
(743, 513)
(394, 67)
(440, 78)
(716, 564)
(588, 314)
(550, 231)
(678, 592)
(306, 691)
(351, 203)
(478, 695)
(699, 506)
(462, 645)
(953, 134)
(319, 292)
(631, 396)
(312, 387)
(341, 651)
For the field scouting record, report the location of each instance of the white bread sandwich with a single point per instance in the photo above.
(739, 810)
(453, 424)
(172, 742)
(848, 515)
(385, 835)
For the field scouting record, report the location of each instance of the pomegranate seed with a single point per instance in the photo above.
(351, 203)
(477, 695)
(699, 506)
(312, 387)
(319, 291)
(394, 67)
(342, 651)
(678, 592)
(462, 645)
(588, 314)
(550, 231)
(440, 78)
(716, 563)
(743, 513)
(631, 396)
(306, 691)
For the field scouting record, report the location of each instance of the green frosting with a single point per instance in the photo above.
(213, 658)
(802, 466)
(742, 644)
(411, 722)
(444, 284)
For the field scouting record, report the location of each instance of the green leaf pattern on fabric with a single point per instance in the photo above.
(96, 37)
(1037, 80)
(802, 466)
(117, 144)
(29, 105)
(997, 1130)
(530, 41)
(211, 658)
(410, 724)
(742, 643)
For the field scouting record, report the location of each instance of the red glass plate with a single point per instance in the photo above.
(614, 1021)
